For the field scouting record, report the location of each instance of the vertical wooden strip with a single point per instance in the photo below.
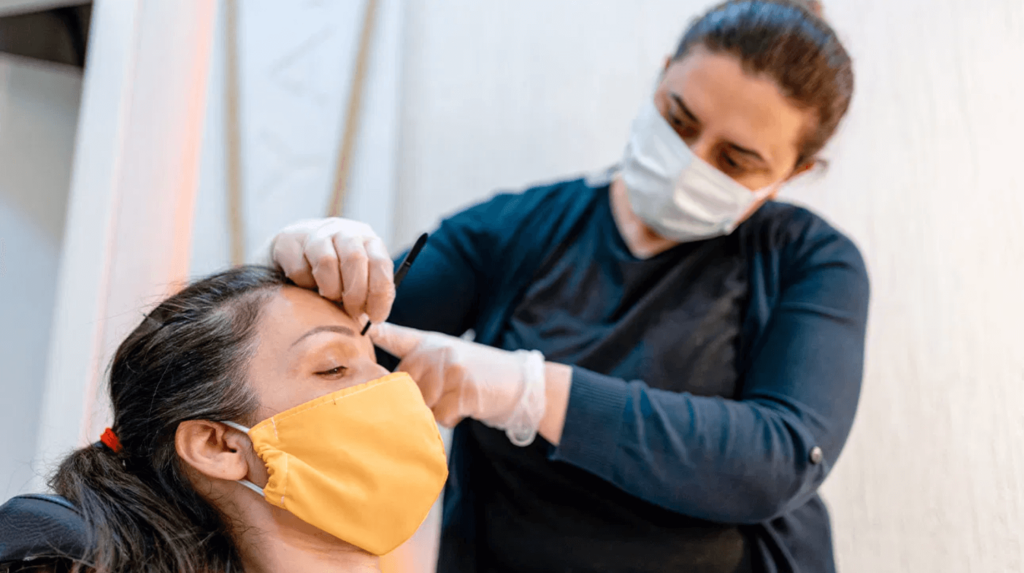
(355, 100)
(233, 134)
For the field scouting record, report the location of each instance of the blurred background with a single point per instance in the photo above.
(143, 142)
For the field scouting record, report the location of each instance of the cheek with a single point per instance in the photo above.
(364, 372)
(272, 394)
(284, 391)
(757, 181)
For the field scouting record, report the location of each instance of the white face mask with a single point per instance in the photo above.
(676, 193)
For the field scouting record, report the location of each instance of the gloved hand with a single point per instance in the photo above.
(461, 379)
(342, 259)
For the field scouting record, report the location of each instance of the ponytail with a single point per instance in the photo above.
(133, 526)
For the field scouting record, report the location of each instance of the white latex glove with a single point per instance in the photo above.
(341, 259)
(461, 379)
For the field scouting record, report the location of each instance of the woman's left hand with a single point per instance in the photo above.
(461, 379)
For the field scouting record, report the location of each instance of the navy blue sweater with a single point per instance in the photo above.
(755, 461)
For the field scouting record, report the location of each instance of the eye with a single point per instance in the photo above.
(683, 126)
(337, 372)
(730, 165)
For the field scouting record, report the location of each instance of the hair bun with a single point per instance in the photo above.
(812, 6)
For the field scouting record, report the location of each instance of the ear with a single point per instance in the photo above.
(803, 168)
(213, 449)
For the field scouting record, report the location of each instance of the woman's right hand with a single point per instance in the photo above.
(341, 259)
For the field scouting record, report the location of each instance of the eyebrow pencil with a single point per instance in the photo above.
(403, 269)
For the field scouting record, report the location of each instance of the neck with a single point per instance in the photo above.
(271, 540)
(271, 554)
(641, 241)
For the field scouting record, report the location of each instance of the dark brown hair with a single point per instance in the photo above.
(186, 361)
(788, 41)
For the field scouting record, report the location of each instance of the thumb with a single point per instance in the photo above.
(396, 340)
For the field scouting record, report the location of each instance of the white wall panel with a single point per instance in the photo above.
(38, 114)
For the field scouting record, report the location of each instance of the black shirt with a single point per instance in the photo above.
(673, 321)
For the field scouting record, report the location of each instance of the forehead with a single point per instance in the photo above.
(294, 311)
(739, 107)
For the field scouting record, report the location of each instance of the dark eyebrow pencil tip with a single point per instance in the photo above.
(403, 269)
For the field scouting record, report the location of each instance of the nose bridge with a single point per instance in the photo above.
(702, 146)
(380, 371)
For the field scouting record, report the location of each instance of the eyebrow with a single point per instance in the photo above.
(327, 328)
(749, 152)
(686, 111)
(689, 114)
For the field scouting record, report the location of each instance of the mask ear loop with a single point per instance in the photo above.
(236, 426)
(253, 487)
(244, 482)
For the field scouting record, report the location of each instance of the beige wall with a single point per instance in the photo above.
(926, 177)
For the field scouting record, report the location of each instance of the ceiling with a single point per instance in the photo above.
(46, 30)
(12, 7)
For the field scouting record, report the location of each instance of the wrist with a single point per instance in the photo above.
(558, 382)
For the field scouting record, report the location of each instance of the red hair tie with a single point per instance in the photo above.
(110, 440)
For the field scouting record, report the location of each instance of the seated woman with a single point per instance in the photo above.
(253, 431)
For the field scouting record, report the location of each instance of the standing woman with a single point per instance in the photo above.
(689, 351)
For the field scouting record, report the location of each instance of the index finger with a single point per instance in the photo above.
(398, 341)
(287, 252)
(381, 293)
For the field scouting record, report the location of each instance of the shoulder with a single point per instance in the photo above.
(800, 241)
(539, 206)
(562, 192)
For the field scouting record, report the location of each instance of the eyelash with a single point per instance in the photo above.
(727, 162)
(339, 371)
(682, 124)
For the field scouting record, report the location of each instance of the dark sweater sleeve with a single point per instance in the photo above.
(751, 459)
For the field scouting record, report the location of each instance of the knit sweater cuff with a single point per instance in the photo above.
(592, 422)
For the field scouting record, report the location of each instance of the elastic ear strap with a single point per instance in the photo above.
(238, 427)
(252, 486)
(244, 482)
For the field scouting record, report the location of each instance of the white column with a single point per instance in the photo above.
(128, 227)
(38, 114)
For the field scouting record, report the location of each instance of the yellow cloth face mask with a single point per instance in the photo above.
(364, 464)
